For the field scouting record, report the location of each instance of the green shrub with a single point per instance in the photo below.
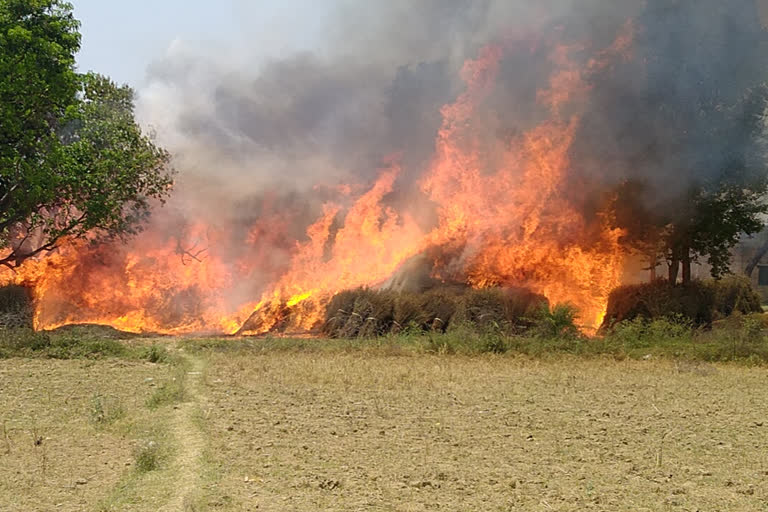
(148, 456)
(156, 354)
(644, 333)
(105, 409)
(22, 342)
(558, 322)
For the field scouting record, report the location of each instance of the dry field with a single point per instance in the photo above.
(72, 430)
(369, 430)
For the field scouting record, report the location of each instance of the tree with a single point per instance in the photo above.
(73, 161)
(683, 123)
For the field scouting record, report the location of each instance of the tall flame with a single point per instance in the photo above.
(502, 217)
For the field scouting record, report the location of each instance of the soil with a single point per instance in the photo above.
(293, 431)
(343, 431)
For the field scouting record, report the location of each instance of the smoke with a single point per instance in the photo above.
(264, 142)
(373, 87)
(244, 126)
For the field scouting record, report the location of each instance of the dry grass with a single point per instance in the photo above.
(265, 426)
(69, 429)
(361, 431)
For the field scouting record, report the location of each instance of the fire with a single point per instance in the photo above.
(503, 218)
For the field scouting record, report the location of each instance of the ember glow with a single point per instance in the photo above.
(501, 216)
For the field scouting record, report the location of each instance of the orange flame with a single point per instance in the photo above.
(502, 212)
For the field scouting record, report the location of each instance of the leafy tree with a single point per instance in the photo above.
(73, 161)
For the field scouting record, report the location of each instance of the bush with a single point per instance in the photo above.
(22, 342)
(644, 333)
(558, 322)
(105, 409)
(148, 456)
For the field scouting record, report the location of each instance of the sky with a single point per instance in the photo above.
(121, 39)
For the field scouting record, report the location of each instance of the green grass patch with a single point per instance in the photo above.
(76, 343)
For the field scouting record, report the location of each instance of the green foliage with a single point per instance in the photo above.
(75, 343)
(643, 333)
(169, 392)
(156, 354)
(558, 322)
(73, 161)
(22, 342)
(744, 340)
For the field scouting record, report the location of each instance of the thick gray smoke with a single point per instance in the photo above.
(373, 87)
(375, 83)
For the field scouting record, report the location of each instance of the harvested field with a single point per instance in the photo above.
(259, 427)
(69, 429)
(324, 431)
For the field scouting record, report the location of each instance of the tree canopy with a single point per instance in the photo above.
(73, 161)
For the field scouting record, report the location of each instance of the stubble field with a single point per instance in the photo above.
(263, 429)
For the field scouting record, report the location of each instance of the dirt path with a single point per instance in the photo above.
(190, 439)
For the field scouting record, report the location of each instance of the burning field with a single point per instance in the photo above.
(479, 171)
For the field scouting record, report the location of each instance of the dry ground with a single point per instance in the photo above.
(307, 431)
(303, 431)
(70, 430)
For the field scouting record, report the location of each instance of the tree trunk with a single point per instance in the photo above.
(674, 269)
(686, 260)
(653, 263)
(761, 252)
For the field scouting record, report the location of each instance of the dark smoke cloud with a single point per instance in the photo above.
(375, 84)
(686, 107)
(373, 87)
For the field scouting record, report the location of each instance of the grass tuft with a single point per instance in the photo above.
(148, 457)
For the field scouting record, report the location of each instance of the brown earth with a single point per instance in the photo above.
(366, 430)
(319, 431)
(63, 430)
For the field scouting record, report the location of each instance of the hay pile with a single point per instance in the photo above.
(367, 313)
(700, 302)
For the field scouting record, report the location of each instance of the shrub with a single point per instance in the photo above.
(148, 456)
(558, 322)
(156, 354)
(105, 409)
(22, 341)
(644, 333)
